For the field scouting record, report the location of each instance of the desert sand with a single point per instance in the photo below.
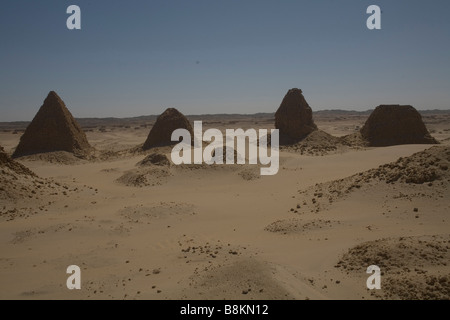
(153, 230)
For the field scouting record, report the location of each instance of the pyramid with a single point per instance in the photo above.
(53, 129)
(294, 117)
(390, 125)
(161, 133)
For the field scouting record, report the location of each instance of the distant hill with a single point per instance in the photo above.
(339, 112)
(88, 123)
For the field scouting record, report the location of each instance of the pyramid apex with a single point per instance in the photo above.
(171, 111)
(295, 90)
(52, 95)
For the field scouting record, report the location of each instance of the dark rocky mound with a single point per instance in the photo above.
(161, 133)
(14, 166)
(23, 193)
(317, 142)
(18, 183)
(390, 125)
(145, 176)
(409, 266)
(53, 129)
(294, 118)
(229, 152)
(425, 166)
(157, 159)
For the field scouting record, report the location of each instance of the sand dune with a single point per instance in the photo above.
(152, 230)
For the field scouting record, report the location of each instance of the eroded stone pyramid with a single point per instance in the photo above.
(161, 133)
(53, 129)
(294, 117)
(390, 125)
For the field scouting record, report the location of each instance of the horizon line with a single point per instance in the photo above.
(229, 114)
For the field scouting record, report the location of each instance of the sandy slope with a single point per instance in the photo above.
(211, 234)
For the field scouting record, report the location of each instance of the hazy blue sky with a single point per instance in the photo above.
(221, 56)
